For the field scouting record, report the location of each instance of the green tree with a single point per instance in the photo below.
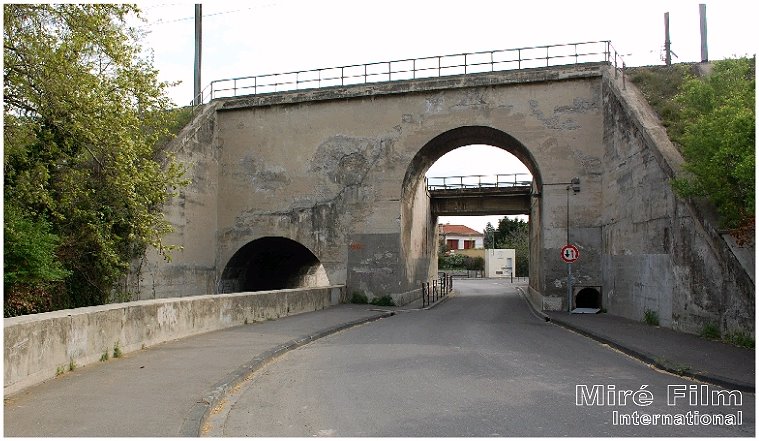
(84, 171)
(718, 140)
(515, 234)
(489, 232)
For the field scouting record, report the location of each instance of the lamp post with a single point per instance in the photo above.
(574, 185)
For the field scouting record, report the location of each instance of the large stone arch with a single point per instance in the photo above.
(271, 263)
(418, 227)
(460, 137)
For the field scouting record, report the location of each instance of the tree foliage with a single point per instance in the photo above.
(511, 234)
(460, 261)
(84, 173)
(718, 140)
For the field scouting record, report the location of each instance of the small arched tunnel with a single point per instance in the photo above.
(588, 298)
(272, 263)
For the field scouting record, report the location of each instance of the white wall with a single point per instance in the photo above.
(500, 263)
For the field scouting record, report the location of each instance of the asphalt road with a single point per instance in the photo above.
(480, 364)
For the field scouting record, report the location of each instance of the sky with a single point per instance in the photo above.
(276, 36)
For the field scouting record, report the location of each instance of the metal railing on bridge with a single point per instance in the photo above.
(435, 183)
(415, 68)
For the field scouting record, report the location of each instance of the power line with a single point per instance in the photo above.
(177, 20)
(162, 5)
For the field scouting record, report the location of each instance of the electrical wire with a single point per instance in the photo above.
(177, 20)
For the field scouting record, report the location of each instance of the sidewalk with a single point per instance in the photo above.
(166, 390)
(710, 361)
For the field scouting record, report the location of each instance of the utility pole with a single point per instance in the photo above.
(704, 48)
(667, 42)
(198, 99)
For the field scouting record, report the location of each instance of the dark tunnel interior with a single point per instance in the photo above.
(588, 298)
(269, 263)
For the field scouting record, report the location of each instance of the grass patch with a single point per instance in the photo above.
(117, 350)
(710, 331)
(104, 356)
(741, 339)
(72, 365)
(660, 85)
(651, 317)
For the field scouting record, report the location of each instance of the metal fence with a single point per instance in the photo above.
(415, 68)
(439, 288)
(466, 273)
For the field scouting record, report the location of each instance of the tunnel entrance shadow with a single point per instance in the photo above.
(272, 263)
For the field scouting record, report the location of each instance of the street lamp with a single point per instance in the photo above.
(574, 185)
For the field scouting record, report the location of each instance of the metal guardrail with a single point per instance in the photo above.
(414, 68)
(439, 288)
(478, 181)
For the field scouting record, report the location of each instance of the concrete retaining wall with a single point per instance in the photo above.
(660, 252)
(40, 345)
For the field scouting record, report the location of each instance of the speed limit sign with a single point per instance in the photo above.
(570, 253)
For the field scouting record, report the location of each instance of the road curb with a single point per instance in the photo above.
(426, 308)
(539, 314)
(650, 359)
(198, 414)
(439, 301)
(656, 361)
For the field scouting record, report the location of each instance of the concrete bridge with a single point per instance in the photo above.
(325, 186)
(479, 195)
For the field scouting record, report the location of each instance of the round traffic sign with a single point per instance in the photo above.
(569, 253)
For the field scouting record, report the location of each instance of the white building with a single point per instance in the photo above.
(500, 263)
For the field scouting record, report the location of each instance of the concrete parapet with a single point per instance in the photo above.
(407, 297)
(39, 346)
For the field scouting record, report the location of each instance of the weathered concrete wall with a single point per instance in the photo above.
(36, 346)
(660, 252)
(335, 169)
(192, 269)
(338, 170)
(419, 233)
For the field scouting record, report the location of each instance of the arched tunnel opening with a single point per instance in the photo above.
(588, 298)
(421, 215)
(272, 263)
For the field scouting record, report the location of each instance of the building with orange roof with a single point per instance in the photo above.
(461, 237)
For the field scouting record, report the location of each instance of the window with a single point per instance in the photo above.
(468, 244)
(453, 244)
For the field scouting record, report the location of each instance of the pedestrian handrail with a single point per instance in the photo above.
(414, 68)
(479, 181)
(438, 289)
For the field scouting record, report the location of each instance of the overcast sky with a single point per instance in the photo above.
(275, 36)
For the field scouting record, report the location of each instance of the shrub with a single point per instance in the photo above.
(383, 301)
(651, 317)
(359, 298)
(461, 261)
(32, 271)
